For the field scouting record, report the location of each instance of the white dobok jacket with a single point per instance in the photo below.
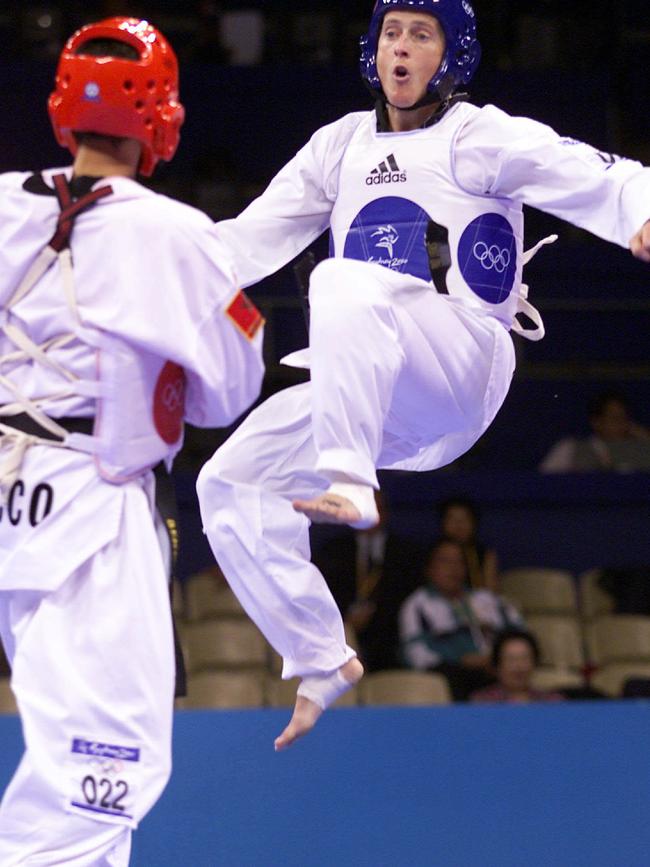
(461, 182)
(148, 329)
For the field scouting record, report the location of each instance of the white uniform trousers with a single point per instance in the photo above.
(93, 674)
(401, 378)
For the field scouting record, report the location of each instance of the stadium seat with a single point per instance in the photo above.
(619, 638)
(178, 600)
(224, 689)
(222, 643)
(540, 591)
(560, 641)
(594, 601)
(282, 693)
(552, 679)
(7, 699)
(208, 595)
(611, 678)
(402, 687)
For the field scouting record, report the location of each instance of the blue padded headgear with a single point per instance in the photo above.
(462, 48)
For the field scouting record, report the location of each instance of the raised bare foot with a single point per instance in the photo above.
(322, 691)
(328, 509)
(342, 503)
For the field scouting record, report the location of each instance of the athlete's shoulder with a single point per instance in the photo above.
(154, 208)
(343, 129)
(491, 122)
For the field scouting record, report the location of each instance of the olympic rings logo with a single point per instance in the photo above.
(173, 396)
(491, 257)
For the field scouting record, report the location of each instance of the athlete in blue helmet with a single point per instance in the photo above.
(410, 351)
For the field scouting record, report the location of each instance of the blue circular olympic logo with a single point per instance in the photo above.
(487, 257)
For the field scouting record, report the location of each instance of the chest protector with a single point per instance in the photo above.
(399, 205)
(139, 397)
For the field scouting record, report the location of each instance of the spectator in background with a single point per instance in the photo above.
(448, 628)
(515, 655)
(459, 521)
(369, 573)
(617, 444)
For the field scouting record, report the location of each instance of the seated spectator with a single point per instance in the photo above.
(515, 655)
(617, 444)
(448, 628)
(459, 522)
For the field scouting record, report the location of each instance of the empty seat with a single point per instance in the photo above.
(594, 601)
(208, 595)
(402, 687)
(282, 693)
(223, 643)
(552, 679)
(178, 600)
(540, 591)
(224, 689)
(619, 638)
(611, 678)
(560, 641)
(7, 698)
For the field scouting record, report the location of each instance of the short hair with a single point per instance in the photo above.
(598, 404)
(463, 503)
(440, 542)
(437, 545)
(507, 635)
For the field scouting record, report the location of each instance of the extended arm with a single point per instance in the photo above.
(501, 156)
(293, 210)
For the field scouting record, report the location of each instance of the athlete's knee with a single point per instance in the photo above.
(213, 487)
(345, 283)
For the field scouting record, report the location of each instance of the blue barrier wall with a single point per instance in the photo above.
(559, 786)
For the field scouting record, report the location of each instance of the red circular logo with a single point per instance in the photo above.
(169, 403)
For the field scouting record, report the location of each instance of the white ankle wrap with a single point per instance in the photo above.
(324, 690)
(363, 498)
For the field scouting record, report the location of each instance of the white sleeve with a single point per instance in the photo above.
(500, 156)
(293, 210)
(171, 292)
(221, 352)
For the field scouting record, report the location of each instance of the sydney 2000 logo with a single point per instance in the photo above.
(388, 237)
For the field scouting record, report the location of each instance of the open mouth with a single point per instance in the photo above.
(401, 73)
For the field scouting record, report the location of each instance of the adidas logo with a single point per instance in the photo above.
(387, 172)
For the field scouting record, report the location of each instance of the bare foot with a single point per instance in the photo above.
(328, 509)
(307, 712)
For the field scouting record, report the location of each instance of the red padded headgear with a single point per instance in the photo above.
(115, 96)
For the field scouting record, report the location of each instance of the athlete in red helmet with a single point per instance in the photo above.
(120, 319)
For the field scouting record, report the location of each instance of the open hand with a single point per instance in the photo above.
(640, 243)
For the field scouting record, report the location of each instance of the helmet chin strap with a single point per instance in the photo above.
(427, 99)
(441, 109)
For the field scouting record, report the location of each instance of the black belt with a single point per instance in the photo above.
(25, 423)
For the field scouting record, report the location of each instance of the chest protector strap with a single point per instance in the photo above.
(58, 248)
(523, 304)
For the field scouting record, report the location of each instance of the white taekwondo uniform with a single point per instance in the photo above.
(406, 372)
(152, 331)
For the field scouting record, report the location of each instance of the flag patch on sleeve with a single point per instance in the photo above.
(245, 315)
